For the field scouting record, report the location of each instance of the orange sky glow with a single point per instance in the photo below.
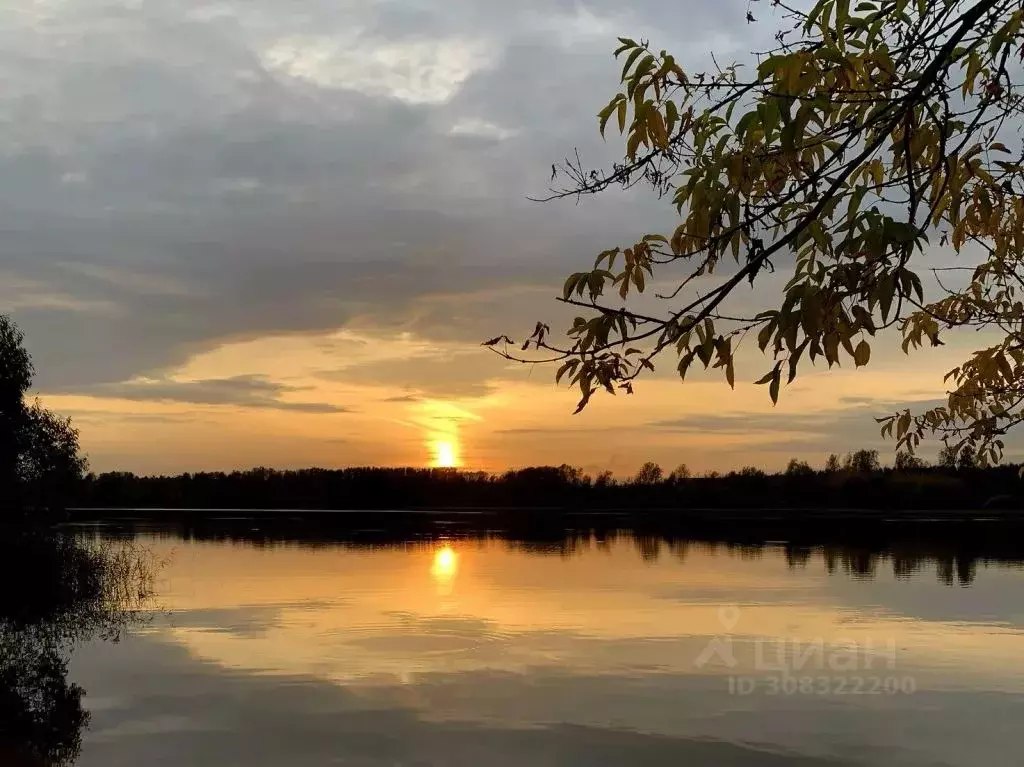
(515, 417)
(290, 255)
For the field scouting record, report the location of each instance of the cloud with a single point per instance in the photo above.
(176, 178)
(239, 391)
(748, 423)
(448, 374)
(175, 175)
(427, 71)
(743, 423)
(407, 398)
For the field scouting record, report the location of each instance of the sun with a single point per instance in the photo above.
(445, 454)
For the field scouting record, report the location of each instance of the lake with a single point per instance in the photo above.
(581, 649)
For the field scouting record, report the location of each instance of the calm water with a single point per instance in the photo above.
(618, 652)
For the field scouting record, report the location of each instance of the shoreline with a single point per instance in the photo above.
(661, 513)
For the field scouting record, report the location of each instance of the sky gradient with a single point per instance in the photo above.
(254, 232)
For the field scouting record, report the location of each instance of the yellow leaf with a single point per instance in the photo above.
(632, 144)
(656, 126)
(877, 172)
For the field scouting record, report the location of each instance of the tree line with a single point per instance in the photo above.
(856, 480)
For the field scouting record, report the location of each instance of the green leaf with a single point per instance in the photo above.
(842, 14)
(902, 425)
(627, 43)
(885, 290)
(855, 200)
(862, 354)
(638, 279)
(813, 16)
(769, 66)
(899, 231)
(671, 116)
(745, 122)
(684, 365)
(570, 365)
(630, 60)
(570, 283)
(765, 335)
(1004, 367)
(794, 360)
(645, 64)
(831, 344)
(582, 403)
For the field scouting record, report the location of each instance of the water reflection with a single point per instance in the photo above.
(462, 643)
(54, 592)
(446, 564)
(444, 567)
(41, 715)
(952, 552)
(459, 642)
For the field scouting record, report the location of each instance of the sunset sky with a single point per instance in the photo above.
(258, 232)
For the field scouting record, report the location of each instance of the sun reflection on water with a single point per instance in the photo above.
(446, 564)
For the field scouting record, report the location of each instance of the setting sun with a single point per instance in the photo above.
(445, 455)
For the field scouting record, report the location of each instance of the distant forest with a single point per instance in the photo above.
(856, 481)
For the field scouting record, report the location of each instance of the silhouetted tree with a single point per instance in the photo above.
(907, 461)
(680, 473)
(832, 465)
(861, 485)
(51, 464)
(748, 472)
(15, 379)
(797, 468)
(650, 474)
(39, 456)
(968, 458)
(573, 475)
(862, 462)
(947, 457)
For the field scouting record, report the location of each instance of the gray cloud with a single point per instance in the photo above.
(176, 175)
(865, 409)
(242, 391)
(470, 374)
